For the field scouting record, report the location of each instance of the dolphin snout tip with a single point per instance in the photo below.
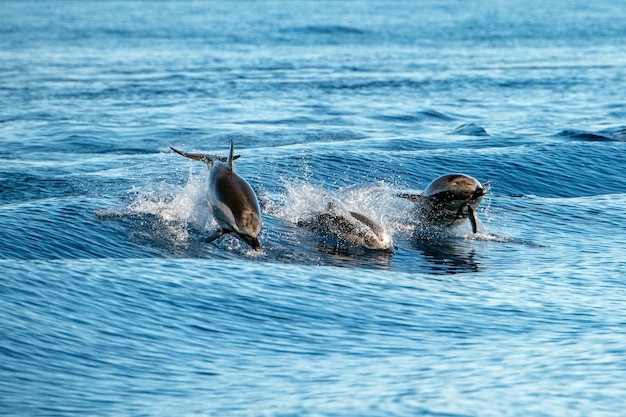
(254, 242)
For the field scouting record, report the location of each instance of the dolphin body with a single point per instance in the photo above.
(350, 226)
(232, 201)
(450, 200)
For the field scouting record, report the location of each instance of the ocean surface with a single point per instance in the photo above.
(112, 304)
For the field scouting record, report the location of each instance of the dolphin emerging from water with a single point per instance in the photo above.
(350, 226)
(450, 200)
(231, 199)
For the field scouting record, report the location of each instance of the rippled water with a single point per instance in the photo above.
(111, 303)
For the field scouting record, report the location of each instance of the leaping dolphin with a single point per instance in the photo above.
(232, 201)
(450, 200)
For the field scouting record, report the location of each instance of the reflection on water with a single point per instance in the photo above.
(448, 256)
(343, 253)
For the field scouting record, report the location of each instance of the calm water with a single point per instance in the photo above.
(112, 304)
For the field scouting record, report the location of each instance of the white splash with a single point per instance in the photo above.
(375, 201)
(175, 210)
(175, 205)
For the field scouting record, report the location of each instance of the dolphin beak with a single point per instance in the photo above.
(252, 241)
(391, 250)
(479, 192)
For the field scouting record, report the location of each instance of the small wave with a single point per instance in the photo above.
(420, 116)
(618, 133)
(435, 115)
(367, 84)
(325, 30)
(18, 187)
(584, 136)
(470, 129)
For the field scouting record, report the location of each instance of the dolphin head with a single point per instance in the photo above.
(249, 225)
(375, 236)
(453, 197)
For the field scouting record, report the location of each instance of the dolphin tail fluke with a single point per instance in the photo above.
(209, 159)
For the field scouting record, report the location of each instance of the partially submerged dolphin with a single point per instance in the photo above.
(350, 226)
(231, 199)
(450, 200)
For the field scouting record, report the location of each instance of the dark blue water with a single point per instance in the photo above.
(111, 303)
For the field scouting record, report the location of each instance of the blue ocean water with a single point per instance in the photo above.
(111, 303)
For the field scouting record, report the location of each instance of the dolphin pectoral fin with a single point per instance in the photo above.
(409, 196)
(472, 218)
(215, 235)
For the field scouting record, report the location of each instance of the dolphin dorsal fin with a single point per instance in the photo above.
(231, 154)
